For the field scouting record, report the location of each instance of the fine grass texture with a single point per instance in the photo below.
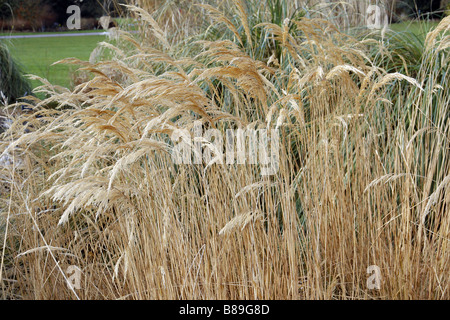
(363, 177)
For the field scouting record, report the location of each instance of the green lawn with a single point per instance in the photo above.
(419, 28)
(15, 33)
(36, 55)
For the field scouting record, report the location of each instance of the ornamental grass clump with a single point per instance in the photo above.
(362, 178)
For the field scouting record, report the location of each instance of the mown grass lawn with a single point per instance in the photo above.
(36, 55)
(419, 28)
(19, 33)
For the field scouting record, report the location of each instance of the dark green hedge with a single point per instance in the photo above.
(12, 82)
